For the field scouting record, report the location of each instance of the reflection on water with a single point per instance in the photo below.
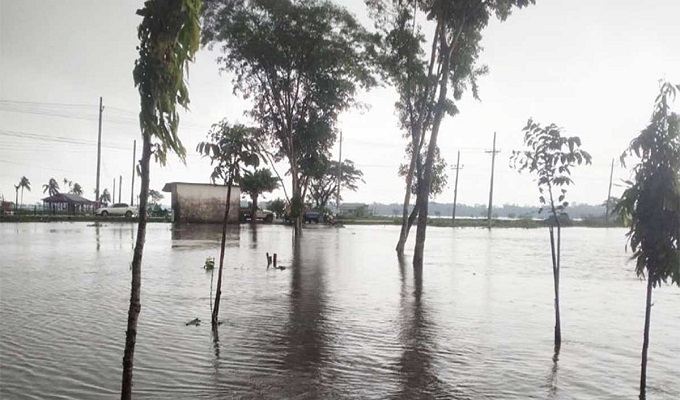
(344, 319)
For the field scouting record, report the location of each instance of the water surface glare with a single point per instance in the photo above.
(345, 319)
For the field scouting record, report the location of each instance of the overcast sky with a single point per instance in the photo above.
(590, 66)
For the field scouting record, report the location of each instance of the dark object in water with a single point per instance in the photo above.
(194, 321)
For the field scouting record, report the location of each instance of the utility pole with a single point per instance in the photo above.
(337, 195)
(113, 195)
(132, 189)
(120, 186)
(609, 193)
(99, 147)
(493, 164)
(455, 190)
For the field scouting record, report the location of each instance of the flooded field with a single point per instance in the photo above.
(344, 320)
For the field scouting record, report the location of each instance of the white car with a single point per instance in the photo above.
(117, 209)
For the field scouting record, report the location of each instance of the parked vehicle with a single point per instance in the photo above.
(263, 215)
(118, 209)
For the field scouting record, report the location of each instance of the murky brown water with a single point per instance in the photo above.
(344, 320)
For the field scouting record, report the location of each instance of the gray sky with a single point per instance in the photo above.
(589, 66)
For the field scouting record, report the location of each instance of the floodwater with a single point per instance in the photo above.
(344, 320)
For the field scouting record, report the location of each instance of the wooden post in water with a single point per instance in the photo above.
(493, 163)
(455, 191)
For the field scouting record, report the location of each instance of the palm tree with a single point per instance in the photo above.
(24, 183)
(255, 183)
(105, 197)
(77, 189)
(169, 37)
(51, 187)
(229, 148)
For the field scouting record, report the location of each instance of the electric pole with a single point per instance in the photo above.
(455, 190)
(120, 186)
(609, 193)
(132, 189)
(337, 195)
(493, 164)
(113, 195)
(99, 148)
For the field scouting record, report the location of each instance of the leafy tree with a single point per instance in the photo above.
(256, 183)
(278, 207)
(169, 37)
(24, 183)
(323, 183)
(551, 157)
(155, 196)
(301, 62)
(423, 77)
(76, 189)
(51, 187)
(229, 149)
(105, 197)
(652, 205)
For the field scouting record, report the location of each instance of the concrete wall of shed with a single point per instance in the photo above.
(204, 203)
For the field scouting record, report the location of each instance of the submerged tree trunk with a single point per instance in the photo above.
(253, 209)
(218, 290)
(426, 182)
(135, 290)
(405, 225)
(555, 251)
(645, 342)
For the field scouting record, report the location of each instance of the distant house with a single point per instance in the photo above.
(6, 206)
(202, 202)
(68, 203)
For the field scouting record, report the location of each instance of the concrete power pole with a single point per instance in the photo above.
(120, 186)
(99, 148)
(113, 195)
(337, 195)
(132, 189)
(455, 190)
(493, 164)
(609, 193)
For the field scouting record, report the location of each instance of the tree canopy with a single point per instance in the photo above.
(300, 62)
(323, 183)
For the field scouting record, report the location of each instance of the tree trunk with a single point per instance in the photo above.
(645, 342)
(218, 290)
(556, 285)
(253, 209)
(135, 291)
(296, 203)
(425, 183)
(405, 226)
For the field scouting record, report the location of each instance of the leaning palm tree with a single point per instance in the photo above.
(169, 38)
(105, 197)
(24, 183)
(229, 148)
(51, 187)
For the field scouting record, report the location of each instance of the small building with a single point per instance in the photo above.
(202, 202)
(68, 203)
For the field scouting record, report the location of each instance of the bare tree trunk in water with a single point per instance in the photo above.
(135, 290)
(424, 185)
(555, 252)
(253, 210)
(296, 203)
(405, 225)
(645, 342)
(218, 291)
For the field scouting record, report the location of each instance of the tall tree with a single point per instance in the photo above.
(169, 37)
(323, 184)
(423, 78)
(24, 183)
(301, 62)
(51, 187)
(155, 196)
(651, 204)
(229, 148)
(256, 183)
(551, 157)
